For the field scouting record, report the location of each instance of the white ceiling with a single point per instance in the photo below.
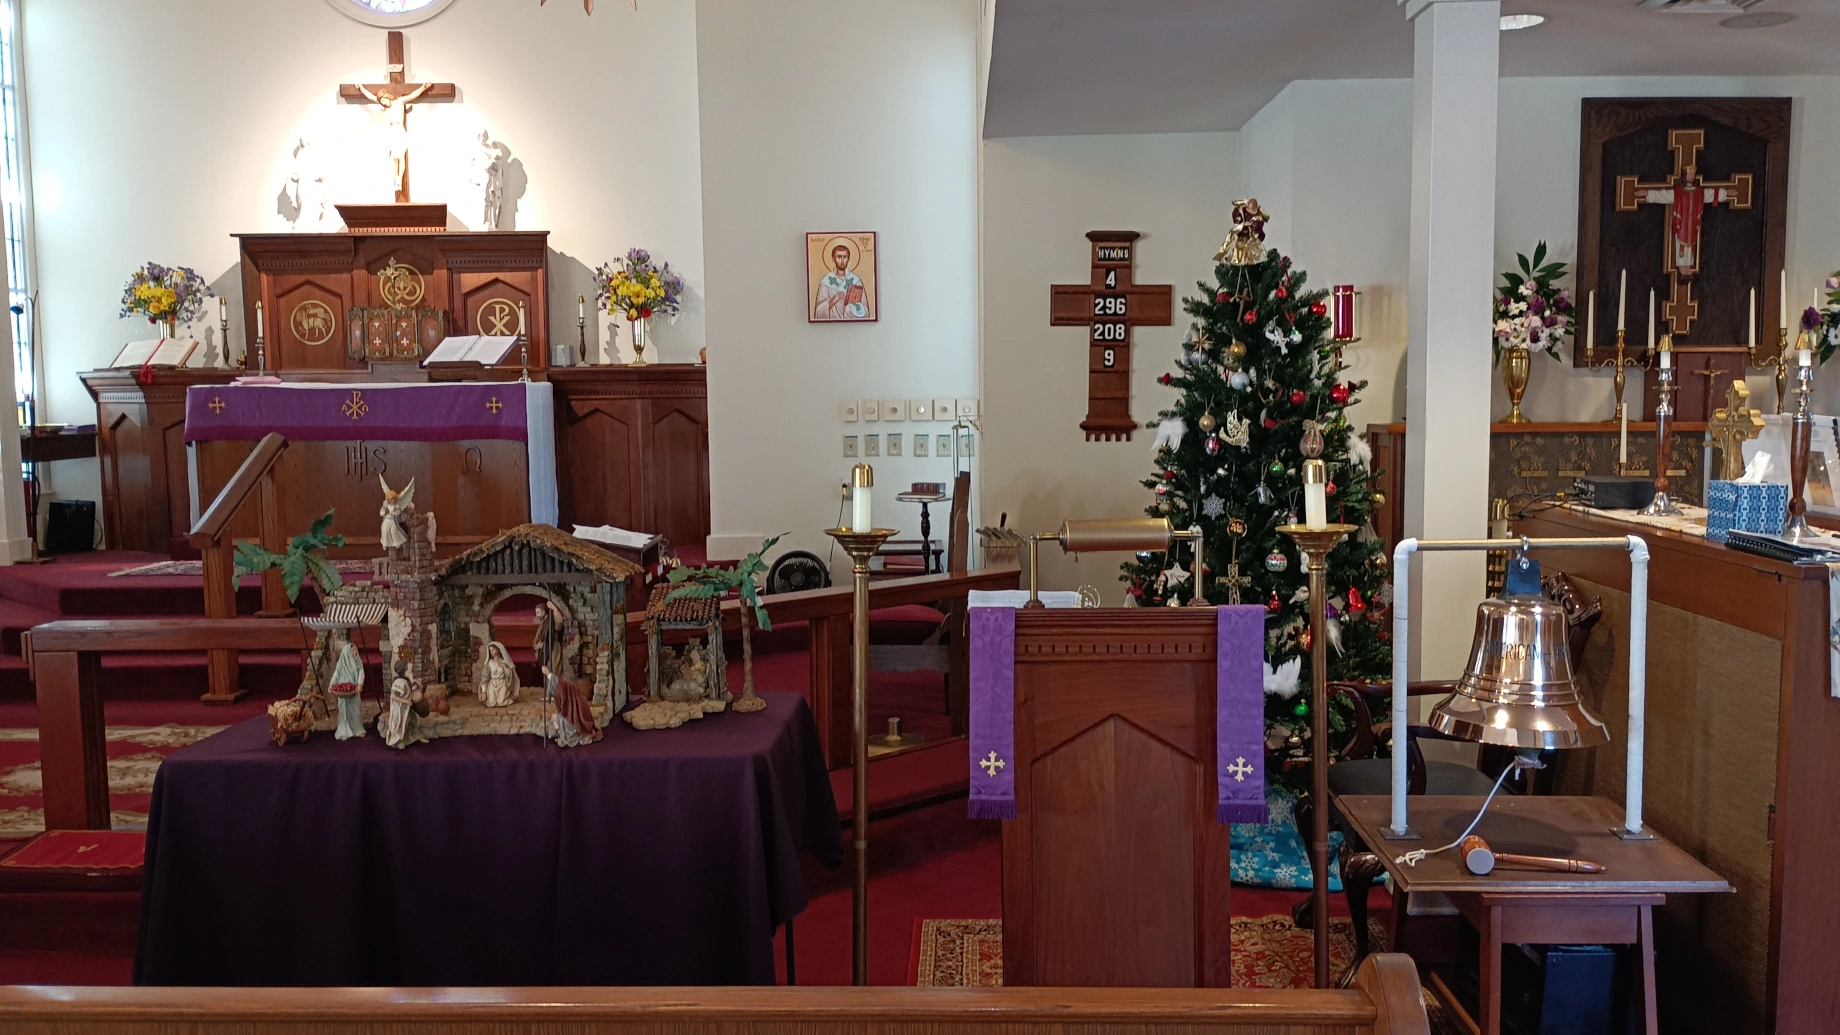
(1173, 66)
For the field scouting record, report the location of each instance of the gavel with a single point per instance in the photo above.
(1481, 860)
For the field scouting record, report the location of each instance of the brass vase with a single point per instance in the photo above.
(641, 331)
(1516, 364)
(170, 327)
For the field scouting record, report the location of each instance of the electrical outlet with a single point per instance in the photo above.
(873, 444)
(849, 445)
(894, 409)
(871, 409)
(944, 408)
(849, 411)
(920, 409)
(921, 441)
(894, 443)
(967, 408)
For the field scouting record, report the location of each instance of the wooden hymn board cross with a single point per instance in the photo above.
(1686, 197)
(395, 98)
(1109, 306)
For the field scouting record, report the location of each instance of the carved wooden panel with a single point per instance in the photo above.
(306, 328)
(633, 446)
(602, 453)
(678, 469)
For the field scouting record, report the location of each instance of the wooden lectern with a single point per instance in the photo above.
(1115, 872)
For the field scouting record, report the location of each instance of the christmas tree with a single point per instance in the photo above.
(1261, 391)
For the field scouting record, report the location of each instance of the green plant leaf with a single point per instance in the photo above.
(761, 619)
(253, 559)
(695, 591)
(293, 574)
(325, 574)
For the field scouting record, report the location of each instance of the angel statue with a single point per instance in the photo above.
(396, 506)
(1245, 243)
(498, 685)
(348, 687)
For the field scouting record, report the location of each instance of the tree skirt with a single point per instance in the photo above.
(1272, 854)
(135, 754)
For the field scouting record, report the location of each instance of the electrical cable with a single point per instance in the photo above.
(1416, 856)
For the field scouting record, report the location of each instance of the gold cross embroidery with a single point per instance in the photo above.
(991, 764)
(355, 407)
(494, 405)
(217, 404)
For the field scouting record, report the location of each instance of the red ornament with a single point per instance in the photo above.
(1355, 604)
(1339, 394)
(1165, 379)
(1329, 489)
(1273, 605)
(1136, 591)
(1282, 292)
(1169, 476)
(1297, 397)
(1270, 423)
(1224, 296)
(1252, 316)
(1318, 309)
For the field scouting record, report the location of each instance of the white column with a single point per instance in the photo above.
(1456, 65)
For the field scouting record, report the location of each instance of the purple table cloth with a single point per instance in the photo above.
(649, 858)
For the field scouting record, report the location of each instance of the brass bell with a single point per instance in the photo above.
(1518, 689)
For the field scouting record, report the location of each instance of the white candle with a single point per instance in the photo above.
(1651, 318)
(862, 481)
(1667, 359)
(1590, 323)
(258, 321)
(1804, 357)
(520, 319)
(223, 307)
(1622, 298)
(1622, 439)
(1750, 327)
(1315, 494)
(1782, 301)
(581, 307)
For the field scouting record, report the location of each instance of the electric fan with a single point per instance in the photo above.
(796, 570)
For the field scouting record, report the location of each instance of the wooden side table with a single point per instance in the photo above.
(1533, 906)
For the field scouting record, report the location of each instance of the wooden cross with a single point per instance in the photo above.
(1732, 425)
(1686, 197)
(1109, 306)
(395, 98)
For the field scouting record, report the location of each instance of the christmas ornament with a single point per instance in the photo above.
(1162, 490)
(1339, 394)
(1276, 469)
(1302, 709)
(1318, 309)
(1172, 602)
(1270, 423)
(1213, 446)
(1207, 422)
(1176, 575)
(1238, 380)
(1304, 641)
(1312, 444)
(1236, 527)
(1170, 432)
(1355, 604)
(1276, 562)
(1252, 316)
(1245, 243)
(1238, 431)
(1282, 292)
(1169, 475)
(1377, 562)
(1380, 501)
(1282, 682)
(1274, 605)
(1213, 507)
(1224, 296)
(1145, 556)
(1263, 493)
(1360, 453)
(1237, 350)
(1329, 489)
(1165, 379)
(1298, 397)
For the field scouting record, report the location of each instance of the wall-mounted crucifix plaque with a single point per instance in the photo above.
(1109, 306)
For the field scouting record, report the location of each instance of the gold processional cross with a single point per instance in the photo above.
(1732, 425)
(395, 98)
(1686, 197)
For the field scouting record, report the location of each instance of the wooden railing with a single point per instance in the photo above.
(1385, 1000)
(211, 538)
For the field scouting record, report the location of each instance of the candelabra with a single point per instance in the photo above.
(1781, 362)
(1315, 544)
(261, 355)
(1661, 505)
(861, 546)
(1800, 427)
(523, 345)
(1622, 362)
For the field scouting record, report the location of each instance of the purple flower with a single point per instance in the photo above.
(1833, 282)
(1551, 320)
(1811, 318)
(1536, 304)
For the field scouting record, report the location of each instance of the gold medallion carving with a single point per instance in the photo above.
(496, 316)
(400, 285)
(313, 322)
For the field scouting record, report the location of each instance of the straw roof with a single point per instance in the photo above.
(550, 540)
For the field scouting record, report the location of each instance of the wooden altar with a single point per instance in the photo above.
(1115, 872)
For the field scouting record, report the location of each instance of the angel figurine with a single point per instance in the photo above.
(396, 505)
(498, 686)
(1245, 243)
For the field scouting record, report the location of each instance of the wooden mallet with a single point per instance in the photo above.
(1481, 860)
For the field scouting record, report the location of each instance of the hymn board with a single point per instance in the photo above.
(1109, 306)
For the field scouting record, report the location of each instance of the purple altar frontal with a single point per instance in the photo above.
(662, 857)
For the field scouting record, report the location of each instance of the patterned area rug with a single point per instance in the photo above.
(197, 568)
(1268, 952)
(135, 754)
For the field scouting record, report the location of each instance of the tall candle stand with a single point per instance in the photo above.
(581, 331)
(1622, 362)
(1781, 361)
(223, 333)
(1661, 505)
(261, 356)
(1800, 428)
(1315, 544)
(860, 546)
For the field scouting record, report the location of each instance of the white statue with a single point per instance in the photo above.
(498, 684)
(401, 723)
(489, 174)
(394, 505)
(396, 131)
(348, 687)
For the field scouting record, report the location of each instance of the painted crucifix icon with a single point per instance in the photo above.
(394, 99)
(1686, 197)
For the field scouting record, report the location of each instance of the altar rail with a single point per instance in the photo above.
(1385, 1000)
(66, 659)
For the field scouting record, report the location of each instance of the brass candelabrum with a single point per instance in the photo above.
(581, 330)
(1315, 544)
(1621, 362)
(1781, 362)
(1800, 428)
(860, 546)
(1661, 505)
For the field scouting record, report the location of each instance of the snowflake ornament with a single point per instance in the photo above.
(1213, 507)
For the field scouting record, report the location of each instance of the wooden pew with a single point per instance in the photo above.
(1385, 1000)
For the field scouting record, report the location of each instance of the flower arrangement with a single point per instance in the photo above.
(1823, 323)
(165, 294)
(1531, 312)
(637, 288)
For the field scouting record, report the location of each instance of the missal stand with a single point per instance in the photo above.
(1115, 868)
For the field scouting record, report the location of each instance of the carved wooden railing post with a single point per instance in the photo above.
(212, 539)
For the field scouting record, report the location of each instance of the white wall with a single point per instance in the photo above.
(1041, 196)
(832, 115)
(158, 130)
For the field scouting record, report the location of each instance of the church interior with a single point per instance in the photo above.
(483, 551)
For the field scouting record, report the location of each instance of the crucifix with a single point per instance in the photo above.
(1731, 426)
(1686, 197)
(395, 98)
(1109, 305)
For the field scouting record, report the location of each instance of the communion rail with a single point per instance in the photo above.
(1385, 1000)
(211, 538)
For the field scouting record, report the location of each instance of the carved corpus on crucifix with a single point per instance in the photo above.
(1732, 425)
(1109, 306)
(1686, 197)
(395, 98)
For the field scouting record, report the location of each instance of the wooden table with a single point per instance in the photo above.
(1533, 906)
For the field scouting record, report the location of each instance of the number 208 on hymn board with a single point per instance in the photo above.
(1109, 306)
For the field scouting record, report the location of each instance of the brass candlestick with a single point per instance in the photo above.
(1800, 427)
(1781, 362)
(860, 546)
(1661, 505)
(1315, 544)
(581, 330)
(1622, 362)
(223, 333)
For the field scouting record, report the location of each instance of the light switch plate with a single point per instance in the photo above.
(894, 443)
(894, 409)
(967, 444)
(871, 409)
(921, 441)
(849, 445)
(944, 446)
(849, 411)
(919, 409)
(967, 408)
(873, 444)
(944, 408)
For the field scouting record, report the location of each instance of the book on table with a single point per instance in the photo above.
(484, 349)
(155, 352)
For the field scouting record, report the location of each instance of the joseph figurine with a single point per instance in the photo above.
(548, 646)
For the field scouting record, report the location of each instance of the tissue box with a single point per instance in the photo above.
(1734, 506)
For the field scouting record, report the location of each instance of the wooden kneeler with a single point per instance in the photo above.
(211, 537)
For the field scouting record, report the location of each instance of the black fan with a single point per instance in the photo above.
(796, 570)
